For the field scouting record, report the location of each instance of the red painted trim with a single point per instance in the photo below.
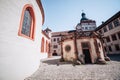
(45, 34)
(41, 10)
(42, 45)
(46, 46)
(32, 32)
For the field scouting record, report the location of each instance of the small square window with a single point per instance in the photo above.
(108, 39)
(105, 29)
(110, 26)
(54, 39)
(55, 46)
(117, 47)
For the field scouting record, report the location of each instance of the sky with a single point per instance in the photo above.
(62, 15)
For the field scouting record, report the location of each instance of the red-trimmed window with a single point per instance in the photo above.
(27, 23)
(46, 46)
(42, 45)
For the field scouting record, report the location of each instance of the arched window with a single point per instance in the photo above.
(27, 23)
(46, 46)
(42, 45)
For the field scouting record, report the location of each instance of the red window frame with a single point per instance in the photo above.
(32, 31)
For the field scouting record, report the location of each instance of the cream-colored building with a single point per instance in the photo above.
(110, 30)
(45, 45)
(20, 38)
(55, 48)
(85, 46)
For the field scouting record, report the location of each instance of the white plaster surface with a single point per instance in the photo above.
(19, 56)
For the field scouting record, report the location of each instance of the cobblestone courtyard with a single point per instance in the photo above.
(50, 70)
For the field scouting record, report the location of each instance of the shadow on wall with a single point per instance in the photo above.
(114, 57)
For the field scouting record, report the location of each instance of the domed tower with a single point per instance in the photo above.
(87, 24)
(83, 17)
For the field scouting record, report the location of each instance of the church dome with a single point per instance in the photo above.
(83, 16)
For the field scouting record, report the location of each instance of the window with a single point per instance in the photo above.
(114, 37)
(42, 45)
(26, 26)
(116, 23)
(110, 26)
(54, 39)
(117, 47)
(57, 39)
(118, 35)
(27, 23)
(54, 51)
(110, 49)
(100, 31)
(55, 46)
(67, 48)
(85, 45)
(86, 28)
(108, 39)
(105, 29)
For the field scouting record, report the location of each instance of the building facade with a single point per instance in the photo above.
(45, 43)
(20, 38)
(85, 46)
(110, 31)
(55, 42)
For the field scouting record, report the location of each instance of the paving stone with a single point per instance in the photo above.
(66, 71)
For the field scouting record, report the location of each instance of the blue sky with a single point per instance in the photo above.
(61, 15)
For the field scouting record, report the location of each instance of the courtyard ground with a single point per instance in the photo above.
(52, 69)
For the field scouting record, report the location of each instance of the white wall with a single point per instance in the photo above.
(19, 56)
